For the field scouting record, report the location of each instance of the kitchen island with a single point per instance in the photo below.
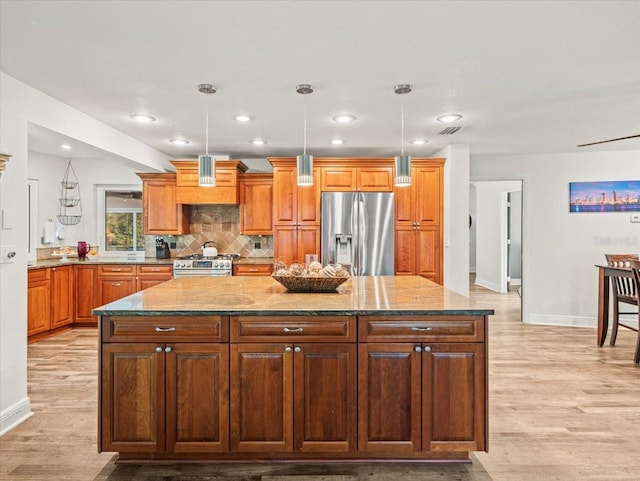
(238, 369)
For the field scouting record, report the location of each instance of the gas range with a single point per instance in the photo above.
(199, 265)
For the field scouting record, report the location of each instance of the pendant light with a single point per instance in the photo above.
(206, 163)
(304, 161)
(402, 176)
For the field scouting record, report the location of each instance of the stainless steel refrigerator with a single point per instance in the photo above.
(358, 232)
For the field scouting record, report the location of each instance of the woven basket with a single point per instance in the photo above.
(310, 284)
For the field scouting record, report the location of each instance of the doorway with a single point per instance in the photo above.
(495, 237)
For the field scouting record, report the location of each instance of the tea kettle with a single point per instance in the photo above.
(209, 251)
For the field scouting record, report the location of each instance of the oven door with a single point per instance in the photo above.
(201, 272)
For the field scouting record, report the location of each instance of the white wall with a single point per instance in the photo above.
(49, 170)
(560, 249)
(456, 217)
(20, 104)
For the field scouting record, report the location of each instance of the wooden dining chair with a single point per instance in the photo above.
(635, 268)
(625, 291)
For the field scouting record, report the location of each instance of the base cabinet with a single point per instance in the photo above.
(250, 388)
(293, 397)
(180, 394)
(38, 301)
(421, 397)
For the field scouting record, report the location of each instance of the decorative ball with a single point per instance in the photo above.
(329, 271)
(315, 267)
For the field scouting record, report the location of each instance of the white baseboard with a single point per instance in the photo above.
(515, 281)
(571, 321)
(487, 284)
(14, 415)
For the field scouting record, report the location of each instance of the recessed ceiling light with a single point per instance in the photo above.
(344, 118)
(449, 118)
(419, 142)
(337, 142)
(65, 146)
(258, 142)
(179, 141)
(145, 119)
(242, 118)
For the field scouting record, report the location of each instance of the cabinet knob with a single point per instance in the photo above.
(158, 349)
(427, 349)
(418, 349)
(287, 349)
(297, 349)
(167, 349)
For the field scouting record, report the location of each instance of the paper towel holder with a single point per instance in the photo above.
(49, 232)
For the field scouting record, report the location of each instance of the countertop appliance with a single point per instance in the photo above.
(199, 265)
(162, 249)
(358, 232)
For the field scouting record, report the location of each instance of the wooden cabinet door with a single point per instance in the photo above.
(374, 179)
(161, 214)
(197, 398)
(405, 206)
(111, 289)
(261, 398)
(389, 398)
(308, 203)
(308, 242)
(285, 243)
(405, 255)
(61, 296)
(325, 396)
(285, 198)
(338, 179)
(38, 301)
(256, 206)
(85, 292)
(427, 182)
(453, 374)
(428, 253)
(132, 390)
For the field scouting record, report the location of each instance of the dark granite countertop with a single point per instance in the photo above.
(247, 295)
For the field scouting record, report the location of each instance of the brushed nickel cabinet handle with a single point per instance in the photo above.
(297, 349)
(418, 349)
(158, 349)
(287, 349)
(427, 349)
(165, 329)
(422, 329)
(297, 329)
(167, 349)
(116, 284)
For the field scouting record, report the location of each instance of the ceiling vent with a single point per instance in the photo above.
(449, 130)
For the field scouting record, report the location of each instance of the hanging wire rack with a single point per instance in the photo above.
(70, 208)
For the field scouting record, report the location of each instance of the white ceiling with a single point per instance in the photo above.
(528, 77)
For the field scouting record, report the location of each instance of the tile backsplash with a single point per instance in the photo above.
(220, 224)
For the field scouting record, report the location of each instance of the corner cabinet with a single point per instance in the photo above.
(296, 213)
(419, 221)
(161, 213)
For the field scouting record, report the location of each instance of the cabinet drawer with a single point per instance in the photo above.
(155, 270)
(293, 328)
(38, 275)
(252, 269)
(116, 269)
(421, 328)
(165, 328)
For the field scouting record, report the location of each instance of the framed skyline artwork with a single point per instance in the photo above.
(605, 196)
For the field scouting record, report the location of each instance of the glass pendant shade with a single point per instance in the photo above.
(206, 171)
(402, 171)
(305, 169)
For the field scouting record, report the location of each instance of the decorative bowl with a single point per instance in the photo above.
(310, 284)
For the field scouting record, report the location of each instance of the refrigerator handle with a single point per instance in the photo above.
(360, 227)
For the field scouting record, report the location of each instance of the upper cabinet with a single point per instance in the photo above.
(363, 175)
(293, 204)
(256, 204)
(225, 192)
(161, 213)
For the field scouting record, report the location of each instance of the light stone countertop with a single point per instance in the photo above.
(368, 295)
(57, 262)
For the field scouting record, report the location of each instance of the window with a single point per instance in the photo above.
(120, 220)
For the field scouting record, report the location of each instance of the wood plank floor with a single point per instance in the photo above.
(561, 408)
